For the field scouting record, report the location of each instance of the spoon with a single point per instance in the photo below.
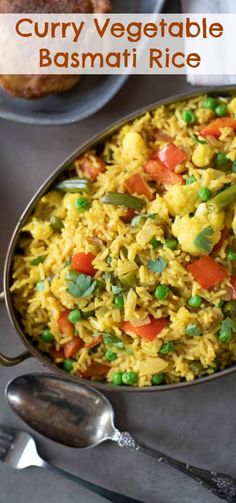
(84, 418)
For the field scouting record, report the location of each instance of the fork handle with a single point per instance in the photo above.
(220, 484)
(105, 493)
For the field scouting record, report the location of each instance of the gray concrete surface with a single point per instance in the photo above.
(196, 425)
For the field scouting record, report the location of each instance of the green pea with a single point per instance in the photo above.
(210, 103)
(192, 329)
(225, 335)
(82, 204)
(46, 336)
(119, 301)
(221, 159)
(110, 355)
(221, 110)
(56, 223)
(129, 378)
(68, 365)
(233, 167)
(231, 254)
(195, 301)
(74, 316)
(166, 347)
(162, 292)
(191, 179)
(157, 379)
(171, 243)
(154, 243)
(204, 194)
(189, 116)
(117, 379)
(40, 286)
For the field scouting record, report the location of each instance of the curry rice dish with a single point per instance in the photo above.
(127, 267)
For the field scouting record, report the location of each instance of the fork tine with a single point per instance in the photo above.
(5, 436)
(6, 431)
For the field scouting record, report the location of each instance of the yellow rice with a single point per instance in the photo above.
(121, 248)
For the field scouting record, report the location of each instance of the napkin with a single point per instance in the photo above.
(209, 6)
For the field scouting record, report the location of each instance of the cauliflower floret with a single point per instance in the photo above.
(159, 206)
(39, 229)
(134, 146)
(234, 218)
(181, 199)
(202, 155)
(213, 179)
(232, 106)
(186, 229)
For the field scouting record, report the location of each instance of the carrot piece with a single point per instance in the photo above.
(233, 283)
(92, 166)
(135, 184)
(64, 325)
(149, 331)
(224, 235)
(71, 347)
(170, 156)
(95, 369)
(214, 127)
(207, 271)
(56, 355)
(161, 174)
(82, 262)
(129, 214)
(95, 342)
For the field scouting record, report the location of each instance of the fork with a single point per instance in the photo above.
(18, 450)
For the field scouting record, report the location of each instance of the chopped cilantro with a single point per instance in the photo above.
(157, 265)
(202, 241)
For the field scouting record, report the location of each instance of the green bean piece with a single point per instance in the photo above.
(196, 366)
(229, 308)
(121, 199)
(222, 199)
(56, 223)
(128, 280)
(74, 185)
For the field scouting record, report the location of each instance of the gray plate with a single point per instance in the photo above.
(90, 95)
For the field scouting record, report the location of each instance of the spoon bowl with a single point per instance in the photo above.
(61, 410)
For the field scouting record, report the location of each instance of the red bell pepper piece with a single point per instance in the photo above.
(214, 127)
(95, 342)
(92, 166)
(71, 347)
(95, 369)
(56, 355)
(149, 331)
(64, 325)
(233, 283)
(135, 184)
(82, 262)
(170, 156)
(224, 235)
(207, 271)
(161, 174)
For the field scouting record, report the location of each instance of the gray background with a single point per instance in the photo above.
(196, 425)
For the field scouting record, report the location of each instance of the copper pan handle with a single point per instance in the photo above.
(9, 362)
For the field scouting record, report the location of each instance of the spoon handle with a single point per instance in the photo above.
(109, 495)
(220, 484)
